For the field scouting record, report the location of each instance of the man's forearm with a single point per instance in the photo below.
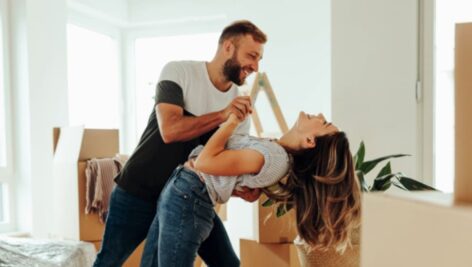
(188, 127)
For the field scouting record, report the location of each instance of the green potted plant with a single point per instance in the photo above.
(385, 178)
(383, 181)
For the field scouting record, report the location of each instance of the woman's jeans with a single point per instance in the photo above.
(185, 218)
(127, 225)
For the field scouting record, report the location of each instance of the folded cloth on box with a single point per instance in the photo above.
(99, 175)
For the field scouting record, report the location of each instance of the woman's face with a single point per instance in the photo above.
(314, 125)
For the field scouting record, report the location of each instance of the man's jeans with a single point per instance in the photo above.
(127, 225)
(184, 224)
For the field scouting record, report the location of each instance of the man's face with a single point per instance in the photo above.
(244, 61)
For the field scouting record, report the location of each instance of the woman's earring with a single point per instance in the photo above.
(310, 140)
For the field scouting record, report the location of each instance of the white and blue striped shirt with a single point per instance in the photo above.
(276, 166)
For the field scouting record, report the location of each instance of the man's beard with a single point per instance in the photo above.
(232, 70)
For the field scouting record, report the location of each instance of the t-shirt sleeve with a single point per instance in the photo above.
(169, 92)
(276, 166)
(195, 152)
(169, 89)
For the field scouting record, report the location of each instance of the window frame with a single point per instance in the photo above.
(6, 172)
(425, 91)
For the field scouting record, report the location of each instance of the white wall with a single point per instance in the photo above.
(114, 11)
(374, 72)
(38, 70)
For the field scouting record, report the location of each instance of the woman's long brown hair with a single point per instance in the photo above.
(323, 187)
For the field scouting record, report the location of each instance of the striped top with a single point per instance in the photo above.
(276, 166)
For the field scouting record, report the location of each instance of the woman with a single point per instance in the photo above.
(321, 184)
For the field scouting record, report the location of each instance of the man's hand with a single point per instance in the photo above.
(248, 194)
(240, 106)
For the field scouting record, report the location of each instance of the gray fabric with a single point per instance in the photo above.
(276, 166)
(169, 92)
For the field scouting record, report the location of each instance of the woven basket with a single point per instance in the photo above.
(330, 258)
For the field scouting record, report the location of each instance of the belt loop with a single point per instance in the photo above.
(177, 170)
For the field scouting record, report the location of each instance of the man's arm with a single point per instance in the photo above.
(174, 126)
(248, 194)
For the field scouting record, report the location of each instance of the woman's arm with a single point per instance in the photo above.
(215, 160)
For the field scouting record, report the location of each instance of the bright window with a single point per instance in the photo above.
(4, 212)
(5, 127)
(3, 124)
(92, 78)
(151, 56)
(1, 204)
(3, 131)
(448, 13)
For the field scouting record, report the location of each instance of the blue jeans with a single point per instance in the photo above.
(127, 225)
(185, 224)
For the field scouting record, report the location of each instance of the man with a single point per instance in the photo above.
(192, 99)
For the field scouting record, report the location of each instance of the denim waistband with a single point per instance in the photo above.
(192, 178)
(189, 175)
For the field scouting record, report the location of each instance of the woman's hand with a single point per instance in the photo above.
(234, 119)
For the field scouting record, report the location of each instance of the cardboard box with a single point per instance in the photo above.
(463, 109)
(254, 254)
(134, 260)
(270, 229)
(415, 229)
(73, 146)
(222, 211)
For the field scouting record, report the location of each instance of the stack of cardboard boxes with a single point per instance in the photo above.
(463, 111)
(73, 146)
(273, 241)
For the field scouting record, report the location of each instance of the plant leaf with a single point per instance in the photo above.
(283, 208)
(382, 183)
(364, 186)
(273, 188)
(387, 169)
(367, 166)
(413, 185)
(359, 157)
(399, 185)
(269, 202)
(354, 160)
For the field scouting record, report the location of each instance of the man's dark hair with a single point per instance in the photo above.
(240, 28)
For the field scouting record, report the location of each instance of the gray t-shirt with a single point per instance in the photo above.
(276, 166)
